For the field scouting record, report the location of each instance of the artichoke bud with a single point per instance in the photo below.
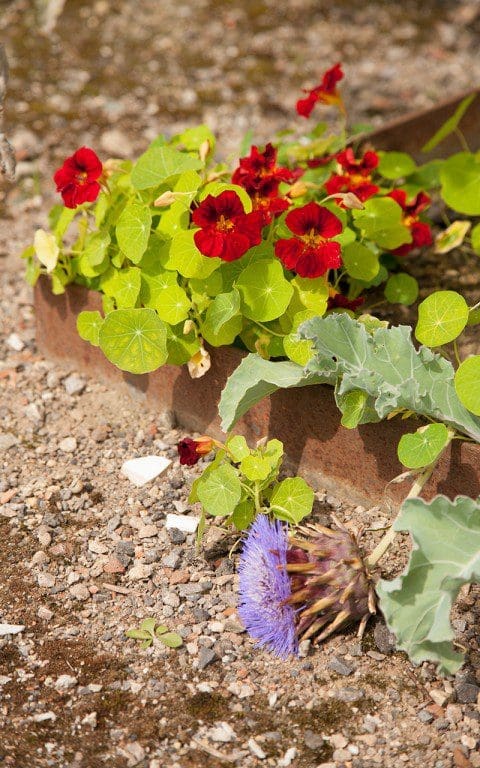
(330, 584)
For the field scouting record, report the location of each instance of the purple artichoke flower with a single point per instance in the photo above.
(265, 588)
(308, 587)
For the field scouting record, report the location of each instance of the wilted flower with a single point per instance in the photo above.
(77, 179)
(312, 251)
(226, 231)
(420, 231)
(191, 451)
(325, 93)
(306, 587)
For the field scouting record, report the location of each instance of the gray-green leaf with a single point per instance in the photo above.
(446, 555)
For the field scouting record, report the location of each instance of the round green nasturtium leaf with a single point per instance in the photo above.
(220, 491)
(123, 285)
(292, 500)
(223, 320)
(185, 258)
(395, 165)
(401, 289)
(237, 448)
(360, 262)
(442, 316)
(243, 515)
(422, 447)
(134, 340)
(133, 231)
(299, 350)
(255, 467)
(353, 405)
(381, 220)
(475, 237)
(460, 179)
(467, 384)
(160, 163)
(172, 304)
(180, 347)
(264, 290)
(88, 326)
(96, 248)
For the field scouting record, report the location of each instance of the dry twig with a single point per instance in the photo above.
(7, 157)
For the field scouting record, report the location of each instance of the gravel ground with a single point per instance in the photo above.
(86, 554)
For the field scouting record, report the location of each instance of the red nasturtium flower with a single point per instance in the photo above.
(260, 176)
(77, 179)
(226, 230)
(325, 93)
(355, 174)
(420, 231)
(337, 300)
(191, 451)
(311, 252)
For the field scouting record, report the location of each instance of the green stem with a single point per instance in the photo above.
(387, 540)
(455, 349)
(458, 133)
(258, 504)
(268, 330)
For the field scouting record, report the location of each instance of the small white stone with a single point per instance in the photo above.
(79, 591)
(272, 700)
(5, 679)
(74, 385)
(64, 682)
(11, 629)
(147, 531)
(45, 580)
(140, 572)
(68, 445)
(14, 342)
(222, 732)
(44, 613)
(256, 749)
(438, 696)
(145, 468)
(97, 547)
(288, 758)
(90, 719)
(185, 523)
(44, 716)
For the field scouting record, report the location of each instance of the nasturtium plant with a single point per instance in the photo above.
(234, 256)
(442, 316)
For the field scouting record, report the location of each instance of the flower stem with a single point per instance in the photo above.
(387, 540)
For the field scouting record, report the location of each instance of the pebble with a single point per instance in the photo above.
(185, 523)
(256, 749)
(68, 445)
(64, 682)
(349, 694)
(340, 667)
(7, 441)
(288, 758)
(15, 342)
(205, 657)
(424, 716)
(144, 469)
(11, 629)
(74, 385)
(140, 572)
(80, 592)
(313, 740)
(44, 613)
(176, 536)
(221, 732)
(384, 639)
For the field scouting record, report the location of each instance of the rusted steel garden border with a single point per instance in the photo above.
(357, 464)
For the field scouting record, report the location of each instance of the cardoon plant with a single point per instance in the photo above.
(305, 586)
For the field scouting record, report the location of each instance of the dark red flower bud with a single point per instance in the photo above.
(191, 451)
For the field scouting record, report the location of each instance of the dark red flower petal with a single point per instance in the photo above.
(235, 245)
(421, 234)
(301, 221)
(288, 251)
(339, 301)
(187, 452)
(76, 180)
(400, 197)
(421, 201)
(314, 262)
(210, 242)
(331, 77)
(250, 225)
(305, 106)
